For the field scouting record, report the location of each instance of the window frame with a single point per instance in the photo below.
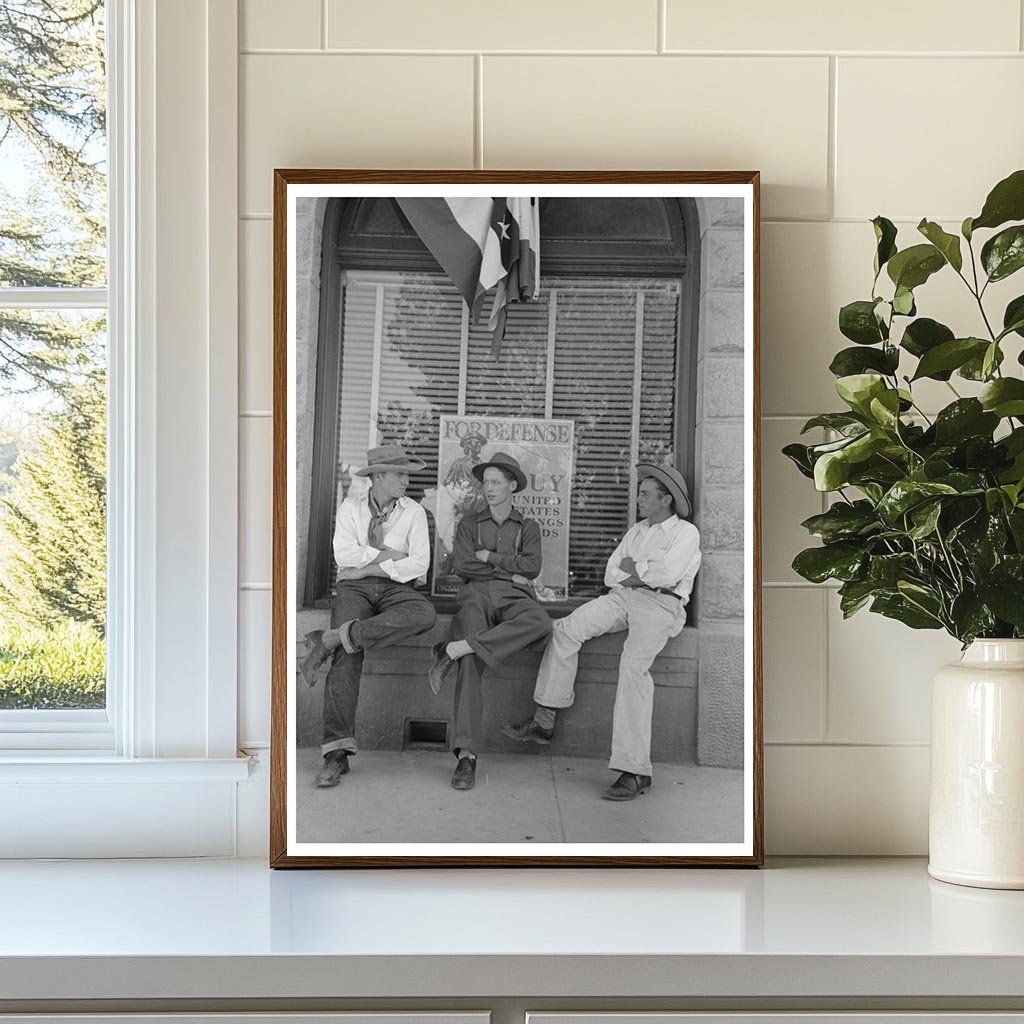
(93, 730)
(149, 117)
(561, 258)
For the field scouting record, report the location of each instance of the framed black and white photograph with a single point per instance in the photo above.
(516, 614)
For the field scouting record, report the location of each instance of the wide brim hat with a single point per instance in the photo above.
(673, 480)
(389, 457)
(502, 461)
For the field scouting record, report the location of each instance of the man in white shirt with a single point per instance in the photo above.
(382, 546)
(650, 576)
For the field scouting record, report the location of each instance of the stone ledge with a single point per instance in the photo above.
(395, 689)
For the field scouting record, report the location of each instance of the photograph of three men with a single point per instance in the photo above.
(520, 559)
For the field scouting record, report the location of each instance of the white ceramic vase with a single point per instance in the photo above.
(976, 813)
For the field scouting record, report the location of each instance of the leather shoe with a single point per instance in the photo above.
(528, 730)
(316, 655)
(627, 787)
(465, 773)
(335, 765)
(440, 667)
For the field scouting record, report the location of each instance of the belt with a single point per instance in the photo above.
(662, 590)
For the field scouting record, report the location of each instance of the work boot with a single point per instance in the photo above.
(335, 765)
(440, 667)
(465, 773)
(627, 787)
(316, 655)
(528, 730)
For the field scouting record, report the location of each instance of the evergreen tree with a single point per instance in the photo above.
(53, 520)
(53, 234)
(53, 124)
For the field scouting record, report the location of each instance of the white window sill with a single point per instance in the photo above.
(76, 766)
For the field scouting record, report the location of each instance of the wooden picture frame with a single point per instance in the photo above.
(363, 318)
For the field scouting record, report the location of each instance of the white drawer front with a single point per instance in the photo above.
(933, 1017)
(360, 1017)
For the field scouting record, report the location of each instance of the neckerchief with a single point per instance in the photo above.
(378, 517)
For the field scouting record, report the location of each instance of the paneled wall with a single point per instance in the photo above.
(907, 110)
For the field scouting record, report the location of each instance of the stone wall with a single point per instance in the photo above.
(394, 688)
(720, 484)
(309, 224)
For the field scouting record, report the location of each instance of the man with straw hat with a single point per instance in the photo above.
(381, 545)
(497, 553)
(650, 576)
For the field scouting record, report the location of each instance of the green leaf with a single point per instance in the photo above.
(1013, 317)
(885, 409)
(799, 455)
(950, 355)
(995, 499)
(991, 360)
(887, 570)
(974, 368)
(906, 494)
(885, 236)
(925, 334)
(841, 421)
(971, 617)
(864, 447)
(1004, 596)
(947, 244)
(858, 389)
(1005, 202)
(912, 267)
(1016, 521)
(1003, 254)
(880, 471)
(964, 482)
(1004, 397)
(818, 450)
(854, 595)
(850, 361)
(966, 417)
(857, 321)
(831, 471)
(843, 521)
(1014, 441)
(832, 561)
(966, 229)
(903, 302)
(925, 518)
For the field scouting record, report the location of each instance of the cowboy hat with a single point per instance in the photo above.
(389, 457)
(505, 462)
(673, 481)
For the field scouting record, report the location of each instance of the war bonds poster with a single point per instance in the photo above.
(544, 450)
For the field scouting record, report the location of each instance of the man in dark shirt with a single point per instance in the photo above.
(497, 553)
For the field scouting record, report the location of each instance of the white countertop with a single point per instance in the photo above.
(235, 929)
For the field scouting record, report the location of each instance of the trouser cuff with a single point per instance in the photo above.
(485, 655)
(348, 744)
(619, 765)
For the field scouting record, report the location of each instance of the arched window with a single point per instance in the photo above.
(609, 344)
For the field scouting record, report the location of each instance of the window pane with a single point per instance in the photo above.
(52, 509)
(402, 353)
(53, 151)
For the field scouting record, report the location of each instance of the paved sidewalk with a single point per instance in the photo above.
(405, 796)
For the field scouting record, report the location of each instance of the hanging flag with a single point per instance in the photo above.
(481, 243)
(516, 230)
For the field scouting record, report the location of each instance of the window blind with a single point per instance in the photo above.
(572, 354)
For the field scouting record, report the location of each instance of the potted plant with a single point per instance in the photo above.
(927, 521)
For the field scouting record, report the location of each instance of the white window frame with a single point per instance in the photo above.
(171, 719)
(69, 729)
